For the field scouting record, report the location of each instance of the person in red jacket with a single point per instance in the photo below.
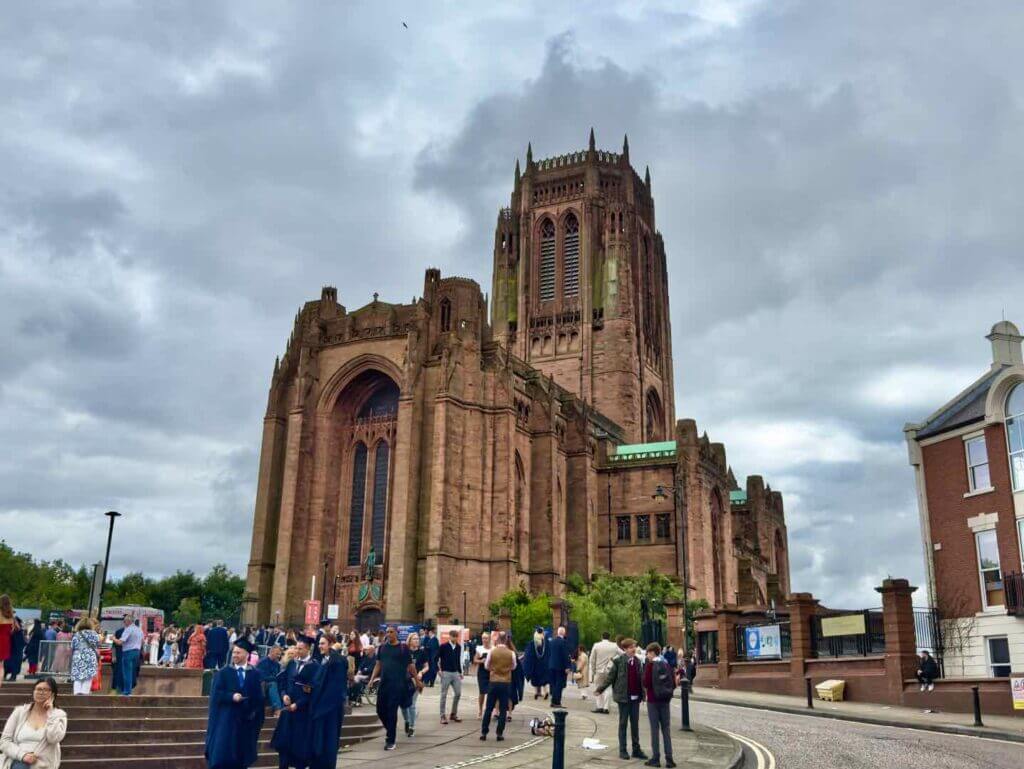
(659, 686)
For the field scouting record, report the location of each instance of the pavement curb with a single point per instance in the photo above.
(961, 731)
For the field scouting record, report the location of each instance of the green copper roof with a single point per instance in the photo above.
(737, 497)
(633, 451)
(645, 448)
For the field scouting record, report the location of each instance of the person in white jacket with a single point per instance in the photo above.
(601, 656)
(33, 732)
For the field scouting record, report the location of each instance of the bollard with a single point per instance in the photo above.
(684, 704)
(810, 693)
(558, 748)
(977, 706)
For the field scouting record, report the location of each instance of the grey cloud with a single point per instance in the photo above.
(837, 185)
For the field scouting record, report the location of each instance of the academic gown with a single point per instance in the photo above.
(330, 690)
(535, 663)
(293, 734)
(433, 647)
(217, 648)
(12, 665)
(233, 728)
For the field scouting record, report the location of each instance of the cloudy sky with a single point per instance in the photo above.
(838, 185)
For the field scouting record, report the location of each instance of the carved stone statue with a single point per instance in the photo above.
(370, 565)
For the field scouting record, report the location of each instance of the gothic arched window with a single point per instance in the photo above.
(1015, 434)
(654, 417)
(571, 257)
(380, 497)
(355, 519)
(446, 315)
(547, 261)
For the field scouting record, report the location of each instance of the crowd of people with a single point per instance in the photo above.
(309, 679)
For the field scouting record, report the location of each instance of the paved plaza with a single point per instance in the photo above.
(458, 745)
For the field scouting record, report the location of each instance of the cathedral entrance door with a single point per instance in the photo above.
(369, 620)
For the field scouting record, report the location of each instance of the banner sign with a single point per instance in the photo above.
(1017, 688)
(332, 611)
(312, 613)
(763, 642)
(404, 631)
(848, 624)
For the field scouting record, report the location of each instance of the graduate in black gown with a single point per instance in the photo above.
(293, 735)
(535, 662)
(330, 690)
(236, 712)
(397, 673)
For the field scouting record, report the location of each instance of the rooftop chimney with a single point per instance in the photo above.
(1005, 338)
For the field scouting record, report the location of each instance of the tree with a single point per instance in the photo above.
(187, 613)
(222, 595)
(957, 624)
(526, 612)
(167, 593)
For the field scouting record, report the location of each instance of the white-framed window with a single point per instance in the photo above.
(1015, 434)
(998, 648)
(977, 463)
(1020, 541)
(988, 569)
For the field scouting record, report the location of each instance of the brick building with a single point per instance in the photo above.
(475, 451)
(968, 461)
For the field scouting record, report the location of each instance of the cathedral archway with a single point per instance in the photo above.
(654, 417)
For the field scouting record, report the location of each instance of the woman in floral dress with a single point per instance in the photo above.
(196, 649)
(85, 644)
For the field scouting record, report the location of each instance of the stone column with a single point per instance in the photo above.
(727, 619)
(900, 638)
(675, 634)
(802, 607)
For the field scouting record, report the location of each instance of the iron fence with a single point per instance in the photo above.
(55, 659)
(928, 634)
(871, 641)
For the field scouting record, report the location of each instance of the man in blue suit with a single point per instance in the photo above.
(559, 666)
(217, 646)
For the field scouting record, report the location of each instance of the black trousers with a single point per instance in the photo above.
(497, 692)
(922, 678)
(629, 711)
(387, 712)
(557, 686)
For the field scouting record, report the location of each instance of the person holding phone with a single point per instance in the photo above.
(236, 712)
(33, 732)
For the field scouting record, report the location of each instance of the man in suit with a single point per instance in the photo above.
(433, 647)
(236, 712)
(217, 646)
(559, 666)
(601, 656)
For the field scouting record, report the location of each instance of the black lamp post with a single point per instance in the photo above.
(662, 492)
(111, 514)
(323, 591)
(334, 590)
(465, 619)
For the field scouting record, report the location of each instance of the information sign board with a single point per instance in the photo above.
(763, 642)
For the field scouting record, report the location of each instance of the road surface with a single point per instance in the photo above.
(784, 741)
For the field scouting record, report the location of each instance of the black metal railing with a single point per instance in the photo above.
(1013, 584)
(871, 641)
(928, 634)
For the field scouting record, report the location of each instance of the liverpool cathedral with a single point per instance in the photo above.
(464, 447)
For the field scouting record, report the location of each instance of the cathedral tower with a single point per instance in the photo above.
(581, 288)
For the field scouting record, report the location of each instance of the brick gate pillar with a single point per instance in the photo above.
(675, 632)
(727, 620)
(802, 607)
(900, 638)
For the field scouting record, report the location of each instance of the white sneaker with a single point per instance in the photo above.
(922, 687)
(931, 687)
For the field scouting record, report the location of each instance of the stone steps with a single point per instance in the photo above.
(152, 731)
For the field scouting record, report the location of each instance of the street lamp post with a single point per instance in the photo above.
(465, 619)
(334, 590)
(111, 514)
(678, 506)
(323, 591)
